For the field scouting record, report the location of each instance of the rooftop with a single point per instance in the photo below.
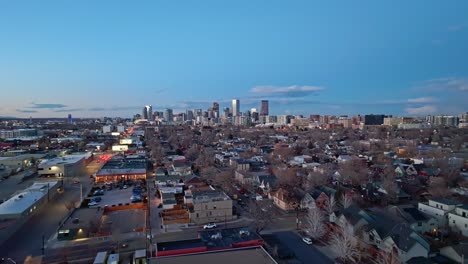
(246, 256)
(68, 159)
(123, 166)
(26, 198)
(208, 196)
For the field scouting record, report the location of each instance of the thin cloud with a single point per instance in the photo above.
(455, 28)
(286, 91)
(26, 111)
(444, 84)
(113, 108)
(47, 106)
(422, 100)
(69, 110)
(422, 110)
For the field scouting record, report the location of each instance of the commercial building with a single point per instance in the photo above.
(212, 241)
(17, 133)
(119, 168)
(20, 161)
(66, 166)
(210, 206)
(17, 210)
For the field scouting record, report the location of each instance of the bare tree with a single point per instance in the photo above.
(331, 205)
(354, 171)
(70, 204)
(386, 258)
(390, 187)
(438, 187)
(346, 200)
(262, 217)
(315, 223)
(345, 244)
(93, 226)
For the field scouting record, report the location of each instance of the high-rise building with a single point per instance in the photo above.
(216, 109)
(189, 115)
(226, 112)
(70, 119)
(235, 107)
(168, 115)
(374, 120)
(147, 112)
(264, 107)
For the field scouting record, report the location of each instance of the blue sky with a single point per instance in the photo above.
(109, 58)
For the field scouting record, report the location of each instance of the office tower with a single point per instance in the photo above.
(226, 111)
(168, 115)
(235, 107)
(374, 120)
(264, 107)
(197, 112)
(189, 115)
(70, 119)
(216, 109)
(147, 112)
(144, 114)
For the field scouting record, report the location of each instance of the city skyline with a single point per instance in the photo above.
(395, 58)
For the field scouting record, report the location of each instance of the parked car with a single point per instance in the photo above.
(98, 192)
(307, 240)
(125, 186)
(96, 199)
(92, 203)
(76, 182)
(209, 226)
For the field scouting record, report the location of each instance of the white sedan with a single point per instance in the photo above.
(307, 240)
(209, 226)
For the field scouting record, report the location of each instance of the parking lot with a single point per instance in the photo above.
(115, 197)
(123, 221)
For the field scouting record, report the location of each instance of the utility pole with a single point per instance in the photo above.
(81, 193)
(43, 245)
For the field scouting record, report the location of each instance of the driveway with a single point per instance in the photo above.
(305, 253)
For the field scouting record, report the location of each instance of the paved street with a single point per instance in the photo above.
(303, 252)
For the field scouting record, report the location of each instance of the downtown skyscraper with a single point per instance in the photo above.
(235, 107)
(264, 108)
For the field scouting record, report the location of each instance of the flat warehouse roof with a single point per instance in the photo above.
(244, 256)
(26, 198)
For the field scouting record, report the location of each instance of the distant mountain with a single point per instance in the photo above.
(7, 117)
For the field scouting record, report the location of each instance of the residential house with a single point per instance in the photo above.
(388, 233)
(405, 170)
(286, 200)
(457, 253)
(322, 196)
(265, 181)
(418, 221)
(458, 220)
(438, 209)
(352, 216)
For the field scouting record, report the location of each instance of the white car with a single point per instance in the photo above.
(92, 203)
(209, 226)
(307, 240)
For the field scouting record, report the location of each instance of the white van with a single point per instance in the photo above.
(113, 259)
(101, 258)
